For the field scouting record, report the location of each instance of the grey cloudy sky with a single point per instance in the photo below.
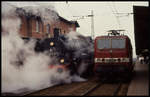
(104, 19)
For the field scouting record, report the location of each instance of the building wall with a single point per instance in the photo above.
(37, 34)
(23, 26)
(28, 28)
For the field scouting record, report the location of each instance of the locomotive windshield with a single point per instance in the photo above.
(103, 43)
(110, 43)
(118, 43)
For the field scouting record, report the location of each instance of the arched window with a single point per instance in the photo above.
(37, 26)
(64, 32)
(48, 29)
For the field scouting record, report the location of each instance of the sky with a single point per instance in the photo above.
(104, 19)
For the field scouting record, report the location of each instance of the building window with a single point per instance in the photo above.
(48, 28)
(64, 32)
(60, 33)
(37, 26)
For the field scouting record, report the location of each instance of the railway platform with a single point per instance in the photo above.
(139, 85)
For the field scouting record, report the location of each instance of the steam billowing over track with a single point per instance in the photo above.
(34, 73)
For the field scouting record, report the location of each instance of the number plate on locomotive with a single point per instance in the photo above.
(111, 60)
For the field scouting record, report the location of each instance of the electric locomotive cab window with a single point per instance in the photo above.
(118, 43)
(110, 43)
(103, 44)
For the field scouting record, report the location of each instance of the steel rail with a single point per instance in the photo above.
(36, 91)
(117, 90)
(91, 89)
(100, 84)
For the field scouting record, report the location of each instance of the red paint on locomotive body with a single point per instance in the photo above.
(112, 54)
(59, 67)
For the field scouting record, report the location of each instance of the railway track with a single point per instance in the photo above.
(92, 87)
(117, 89)
(89, 88)
(59, 90)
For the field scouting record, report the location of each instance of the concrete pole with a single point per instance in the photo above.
(92, 24)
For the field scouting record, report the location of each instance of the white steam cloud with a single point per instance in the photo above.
(82, 46)
(33, 72)
(46, 12)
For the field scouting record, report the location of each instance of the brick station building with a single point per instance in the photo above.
(32, 26)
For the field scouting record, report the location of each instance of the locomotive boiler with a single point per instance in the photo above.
(68, 57)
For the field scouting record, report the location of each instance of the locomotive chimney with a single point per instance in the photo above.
(56, 33)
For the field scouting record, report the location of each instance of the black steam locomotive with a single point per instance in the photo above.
(75, 56)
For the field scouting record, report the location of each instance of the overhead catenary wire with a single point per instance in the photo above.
(117, 18)
(73, 11)
(125, 15)
(116, 13)
(112, 7)
(112, 10)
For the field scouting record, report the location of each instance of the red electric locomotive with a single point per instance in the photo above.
(113, 54)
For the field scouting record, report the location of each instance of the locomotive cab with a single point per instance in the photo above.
(113, 54)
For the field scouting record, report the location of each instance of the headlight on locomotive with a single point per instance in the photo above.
(51, 43)
(62, 60)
